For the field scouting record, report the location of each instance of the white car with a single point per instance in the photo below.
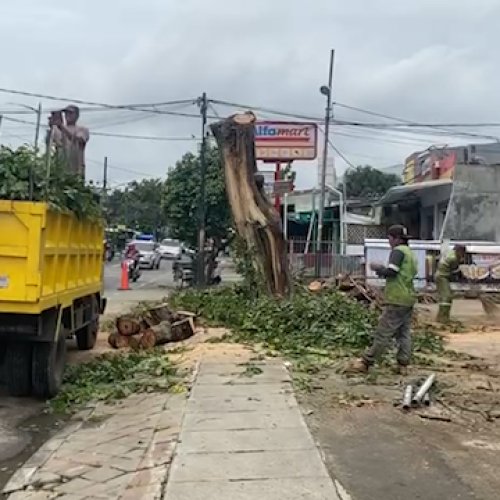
(149, 257)
(170, 249)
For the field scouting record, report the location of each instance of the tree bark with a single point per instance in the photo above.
(254, 216)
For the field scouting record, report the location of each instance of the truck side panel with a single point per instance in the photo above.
(47, 258)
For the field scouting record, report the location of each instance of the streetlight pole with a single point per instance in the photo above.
(326, 91)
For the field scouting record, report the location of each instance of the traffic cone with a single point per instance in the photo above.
(124, 285)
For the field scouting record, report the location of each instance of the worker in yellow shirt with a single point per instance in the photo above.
(448, 266)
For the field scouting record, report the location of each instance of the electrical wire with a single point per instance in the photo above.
(117, 136)
(132, 107)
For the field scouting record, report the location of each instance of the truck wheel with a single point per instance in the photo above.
(18, 368)
(49, 359)
(87, 336)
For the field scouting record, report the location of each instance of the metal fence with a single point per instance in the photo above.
(327, 261)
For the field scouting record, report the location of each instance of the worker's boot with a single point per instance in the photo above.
(443, 315)
(356, 366)
(400, 369)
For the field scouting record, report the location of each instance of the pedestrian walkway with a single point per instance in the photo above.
(238, 435)
(243, 437)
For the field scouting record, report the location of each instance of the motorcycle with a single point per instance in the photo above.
(134, 272)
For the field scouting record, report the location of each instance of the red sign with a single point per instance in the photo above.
(286, 141)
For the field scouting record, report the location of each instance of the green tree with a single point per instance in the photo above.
(368, 182)
(139, 206)
(182, 195)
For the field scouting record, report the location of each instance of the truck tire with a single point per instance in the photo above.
(49, 359)
(18, 368)
(86, 337)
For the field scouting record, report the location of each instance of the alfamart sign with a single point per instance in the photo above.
(285, 141)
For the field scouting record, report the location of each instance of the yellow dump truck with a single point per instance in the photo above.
(51, 289)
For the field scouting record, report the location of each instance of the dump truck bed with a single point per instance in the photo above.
(48, 258)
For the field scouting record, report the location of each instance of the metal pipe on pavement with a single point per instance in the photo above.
(407, 397)
(423, 389)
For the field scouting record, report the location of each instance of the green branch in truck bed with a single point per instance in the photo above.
(61, 189)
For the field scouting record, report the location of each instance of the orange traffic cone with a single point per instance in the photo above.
(124, 285)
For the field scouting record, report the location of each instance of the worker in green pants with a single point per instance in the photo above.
(448, 266)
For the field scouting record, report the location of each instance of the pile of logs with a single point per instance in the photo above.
(152, 327)
(354, 287)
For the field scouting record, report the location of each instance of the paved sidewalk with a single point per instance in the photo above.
(239, 436)
(119, 451)
(243, 437)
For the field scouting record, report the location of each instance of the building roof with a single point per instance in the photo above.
(399, 193)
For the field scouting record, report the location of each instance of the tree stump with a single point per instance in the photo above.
(255, 218)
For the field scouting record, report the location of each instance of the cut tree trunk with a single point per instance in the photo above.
(156, 315)
(167, 332)
(254, 216)
(128, 325)
(118, 341)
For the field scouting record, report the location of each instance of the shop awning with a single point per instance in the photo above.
(401, 193)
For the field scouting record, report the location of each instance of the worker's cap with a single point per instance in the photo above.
(72, 109)
(399, 231)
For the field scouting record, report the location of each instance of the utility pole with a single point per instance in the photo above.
(326, 91)
(38, 124)
(200, 275)
(105, 176)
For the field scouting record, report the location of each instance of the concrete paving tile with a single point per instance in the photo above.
(237, 380)
(267, 489)
(150, 492)
(125, 464)
(285, 419)
(207, 368)
(146, 477)
(247, 466)
(32, 495)
(240, 390)
(275, 402)
(249, 440)
(75, 486)
(102, 474)
(70, 470)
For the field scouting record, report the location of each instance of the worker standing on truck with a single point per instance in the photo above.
(69, 138)
(447, 267)
(399, 300)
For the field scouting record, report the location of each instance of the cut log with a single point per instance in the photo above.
(148, 339)
(118, 341)
(183, 329)
(167, 332)
(160, 313)
(128, 325)
(255, 218)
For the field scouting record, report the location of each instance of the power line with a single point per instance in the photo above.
(132, 107)
(403, 120)
(118, 136)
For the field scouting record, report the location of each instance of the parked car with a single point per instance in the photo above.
(170, 249)
(149, 256)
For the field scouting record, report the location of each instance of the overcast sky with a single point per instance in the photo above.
(429, 61)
